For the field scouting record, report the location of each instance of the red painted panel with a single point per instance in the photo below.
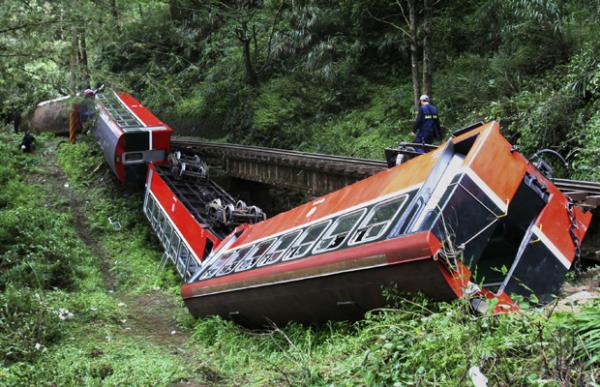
(491, 159)
(162, 139)
(383, 183)
(554, 220)
(189, 228)
(413, 247)
(139, 110)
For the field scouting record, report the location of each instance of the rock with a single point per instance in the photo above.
(477, 377)
(572, 302)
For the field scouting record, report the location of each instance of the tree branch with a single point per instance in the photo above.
(396, 26)
(26, 25)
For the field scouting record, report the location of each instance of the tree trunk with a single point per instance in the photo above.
(74, 51)
(427, 13)
(114, 11)
(242, 35)
(414, 62)
(83, 60)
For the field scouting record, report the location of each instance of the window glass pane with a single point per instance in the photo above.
(338, 233)
(303, 244)
(377, 221)
(174, 245)
(149, 205)
(235, 258)
(155, 209)
(167, 235)
(215, 266)
(182, 257)
(159, 225)
(250, 260)
(279, 248)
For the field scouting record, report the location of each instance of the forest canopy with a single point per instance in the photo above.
(329, 76)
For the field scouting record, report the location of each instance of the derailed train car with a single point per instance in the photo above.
(514, 231)
(130, 136)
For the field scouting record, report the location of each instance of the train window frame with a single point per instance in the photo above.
(300, 241)
(364, 225)
(160, 224)
(168, 231)
(214, 267)
(329, 234)
(250, 254)
(155, 211)
(265, 258)
(233, 261)
(149, 206)
(184, 258)
(174, 248)
(139, 158)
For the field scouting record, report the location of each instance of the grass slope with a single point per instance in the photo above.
(61, 257)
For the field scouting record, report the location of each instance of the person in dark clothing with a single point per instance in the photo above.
(427, 125)
(27, 143)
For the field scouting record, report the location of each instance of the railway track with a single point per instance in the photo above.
(585, 193)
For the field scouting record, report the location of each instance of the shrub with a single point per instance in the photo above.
(27, 325)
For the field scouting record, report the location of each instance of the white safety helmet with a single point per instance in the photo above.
(424, 98)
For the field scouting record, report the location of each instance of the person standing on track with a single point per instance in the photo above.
(427, 125)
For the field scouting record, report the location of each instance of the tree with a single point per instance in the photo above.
(412, 34)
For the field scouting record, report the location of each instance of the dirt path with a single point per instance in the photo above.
(149, 315)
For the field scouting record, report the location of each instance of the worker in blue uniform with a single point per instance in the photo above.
(427, 126)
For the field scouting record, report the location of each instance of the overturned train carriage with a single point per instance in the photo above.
(130, 136)
(472, 216)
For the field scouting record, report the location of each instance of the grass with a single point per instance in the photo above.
(120, 309)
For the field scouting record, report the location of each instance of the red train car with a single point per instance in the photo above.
(473, 216)
(191, 214)
(130, 136)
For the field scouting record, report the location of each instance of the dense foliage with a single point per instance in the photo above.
(319, 75)
(328, 76)
(99, 320)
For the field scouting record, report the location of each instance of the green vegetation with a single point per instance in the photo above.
(320, 75)
(84, 303)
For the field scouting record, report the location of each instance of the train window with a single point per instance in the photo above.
(306, 241)
(160, 224)
(339, 232)
(250, 259)
(191, 264)
(377, 221)
(166, 237)
(183, 256)
(279, 248)
(154, 212)
(174, 245)
(133, 157)
(233, 261)
(149, 206)
(215, 266)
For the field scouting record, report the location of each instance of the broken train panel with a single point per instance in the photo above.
(511, 232)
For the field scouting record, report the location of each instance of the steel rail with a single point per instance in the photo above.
(362, 165)
(188, 142)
